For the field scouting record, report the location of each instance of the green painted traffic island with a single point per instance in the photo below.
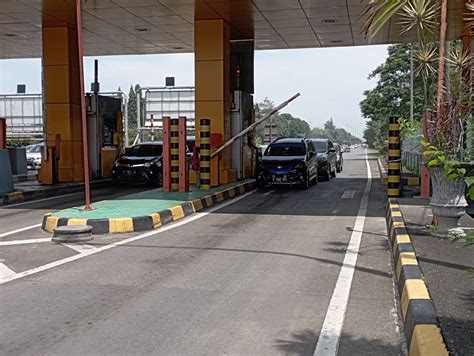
(145, 210)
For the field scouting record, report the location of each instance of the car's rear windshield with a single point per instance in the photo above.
(145, 151)
(286, 149)
(321, 146)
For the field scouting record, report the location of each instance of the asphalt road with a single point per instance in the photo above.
(254, 276)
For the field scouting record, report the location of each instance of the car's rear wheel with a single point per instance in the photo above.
(338, 168)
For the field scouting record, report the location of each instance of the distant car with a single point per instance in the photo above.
(327, 161)
(288, 161)
(346, 148)
(339, 157)
(141, 163)
(33, 156)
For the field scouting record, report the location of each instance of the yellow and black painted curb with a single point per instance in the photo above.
(151, 221)
(422, 329)
(52, 191)
(24, 177)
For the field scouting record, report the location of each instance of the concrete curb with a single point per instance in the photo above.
(29, 195)
(422, 329)
(382, 171)
(25, 177)
(151, 221)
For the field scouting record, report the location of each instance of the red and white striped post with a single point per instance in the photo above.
(183, 159)
(166, 154)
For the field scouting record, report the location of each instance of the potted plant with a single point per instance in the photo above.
(452, 107)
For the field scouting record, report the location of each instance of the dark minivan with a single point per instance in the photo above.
(141, 163)
(288, 161)
(327, 160)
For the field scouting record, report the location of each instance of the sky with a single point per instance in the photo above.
(331, 80)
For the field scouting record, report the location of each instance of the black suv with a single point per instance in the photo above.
(141, 163)
(288, 161)
(327, 160)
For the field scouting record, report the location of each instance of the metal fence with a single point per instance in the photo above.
(412, 155)
(24, 115)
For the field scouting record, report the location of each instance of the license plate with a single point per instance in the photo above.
(279, 179)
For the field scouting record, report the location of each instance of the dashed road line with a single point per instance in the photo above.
(331, 331)
(269, 192)
(348, 194)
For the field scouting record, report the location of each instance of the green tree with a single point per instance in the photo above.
(391, 95)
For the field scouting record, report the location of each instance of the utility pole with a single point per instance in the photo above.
(411, 82)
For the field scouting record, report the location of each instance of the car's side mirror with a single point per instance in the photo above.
(332, 150)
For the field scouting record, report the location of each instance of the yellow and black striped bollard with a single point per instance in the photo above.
(205, 151)
(174, 145)
(394, 158)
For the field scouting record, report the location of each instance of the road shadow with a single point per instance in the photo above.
(276, 253)
(303, 343)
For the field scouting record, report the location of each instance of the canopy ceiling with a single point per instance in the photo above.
(118, 27)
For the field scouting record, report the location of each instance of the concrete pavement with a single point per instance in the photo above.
(253, 277)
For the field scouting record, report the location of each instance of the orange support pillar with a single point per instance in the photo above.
(61, 90)
(212, 81)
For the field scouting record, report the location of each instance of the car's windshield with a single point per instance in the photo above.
(36, 149)
(145, 151)
(321, 146)
(286, 149)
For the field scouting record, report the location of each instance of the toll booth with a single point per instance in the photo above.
(105, 133)
(242, 113)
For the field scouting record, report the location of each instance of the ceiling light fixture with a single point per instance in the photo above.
(328, 21)
(141, 29)
(10, 35)
(336, 41)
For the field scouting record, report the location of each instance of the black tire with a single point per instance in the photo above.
(327, 174)
(158, 182)
(261, 184)
(338, 168)
(314, 181)
(305, 185)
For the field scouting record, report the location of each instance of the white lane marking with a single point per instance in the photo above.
(123, 242)
(348, 194)
(19, 230)
(330, 335)
(80, 247)
(6, 272)
(268, 193)
(40, 200)
(24, 242)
